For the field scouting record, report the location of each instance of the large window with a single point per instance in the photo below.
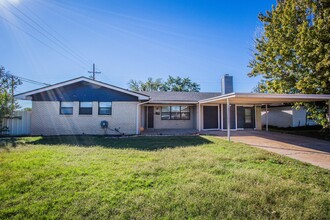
(175, 113)
(105, 108)
(85, 108)
(66, 108)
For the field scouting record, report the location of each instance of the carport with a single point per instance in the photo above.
(225, 102)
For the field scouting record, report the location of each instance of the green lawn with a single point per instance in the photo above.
(156, 177)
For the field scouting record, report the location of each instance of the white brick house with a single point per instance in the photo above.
(78, 106)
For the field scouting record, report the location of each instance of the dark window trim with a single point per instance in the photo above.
(98, 109)
(65, 107)
(80, 113)
(185, 119)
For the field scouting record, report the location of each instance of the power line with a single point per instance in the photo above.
(42, 33)
(60, 43)
(57, 33)
(31, 35)
(28, 80)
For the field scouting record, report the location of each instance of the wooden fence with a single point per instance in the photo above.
(18, 124)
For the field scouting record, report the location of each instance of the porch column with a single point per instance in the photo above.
(266, 117)
(199, 117)
(137, 131)
(258, 118)
(328, 110)
(228, 120)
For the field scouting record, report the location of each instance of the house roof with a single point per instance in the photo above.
(27, 95)
(179, 97)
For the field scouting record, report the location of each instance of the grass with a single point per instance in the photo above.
(156, 178)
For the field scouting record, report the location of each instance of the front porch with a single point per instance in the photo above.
(229, 112)
(169, 132)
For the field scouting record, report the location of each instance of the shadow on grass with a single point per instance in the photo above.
(138, 143)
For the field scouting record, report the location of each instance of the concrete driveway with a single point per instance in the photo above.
(310, 150)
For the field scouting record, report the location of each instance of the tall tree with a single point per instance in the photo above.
(177, 84)
(293, 52)
(8, 84)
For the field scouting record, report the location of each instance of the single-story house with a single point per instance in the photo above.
(285, 116)
(78, 106)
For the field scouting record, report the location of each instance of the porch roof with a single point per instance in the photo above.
(261, 98)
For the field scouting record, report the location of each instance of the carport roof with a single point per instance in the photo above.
(261, 98)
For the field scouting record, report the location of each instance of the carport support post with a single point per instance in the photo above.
(266, 117)
(199, 117)
(228, 120)
(329, 111)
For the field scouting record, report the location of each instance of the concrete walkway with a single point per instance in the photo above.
(310, 150)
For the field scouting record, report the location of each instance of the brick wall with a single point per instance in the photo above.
(46, 119)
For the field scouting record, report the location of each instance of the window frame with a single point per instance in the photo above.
(81, 113)
(180, 112)
(98, 108)
(61, 113)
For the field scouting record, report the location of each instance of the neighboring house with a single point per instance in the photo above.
(286, 116)
(78, 106)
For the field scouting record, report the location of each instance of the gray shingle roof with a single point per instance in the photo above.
(166, 97)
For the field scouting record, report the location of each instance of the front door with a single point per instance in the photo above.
(150, 117)
(210, 116)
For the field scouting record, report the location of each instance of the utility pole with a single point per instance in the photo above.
(93, 72)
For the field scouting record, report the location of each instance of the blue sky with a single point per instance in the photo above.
(130, 40)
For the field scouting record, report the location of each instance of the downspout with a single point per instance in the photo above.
(137, 116)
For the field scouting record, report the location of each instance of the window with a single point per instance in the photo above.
(105, 108)
(175, 113)
(66, 108)
(85, 108)
(248, 115)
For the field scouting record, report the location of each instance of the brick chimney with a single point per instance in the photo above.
(227, 84)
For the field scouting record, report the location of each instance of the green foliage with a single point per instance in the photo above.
(176, 84)
(261, 87)
(149, 85)
(293, 52)
(27, 109)
(190, 177)
(8, 84)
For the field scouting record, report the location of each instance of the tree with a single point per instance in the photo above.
(293, 52)
(177, 84)
(8, 83)
(261, 87)
(149, 85)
